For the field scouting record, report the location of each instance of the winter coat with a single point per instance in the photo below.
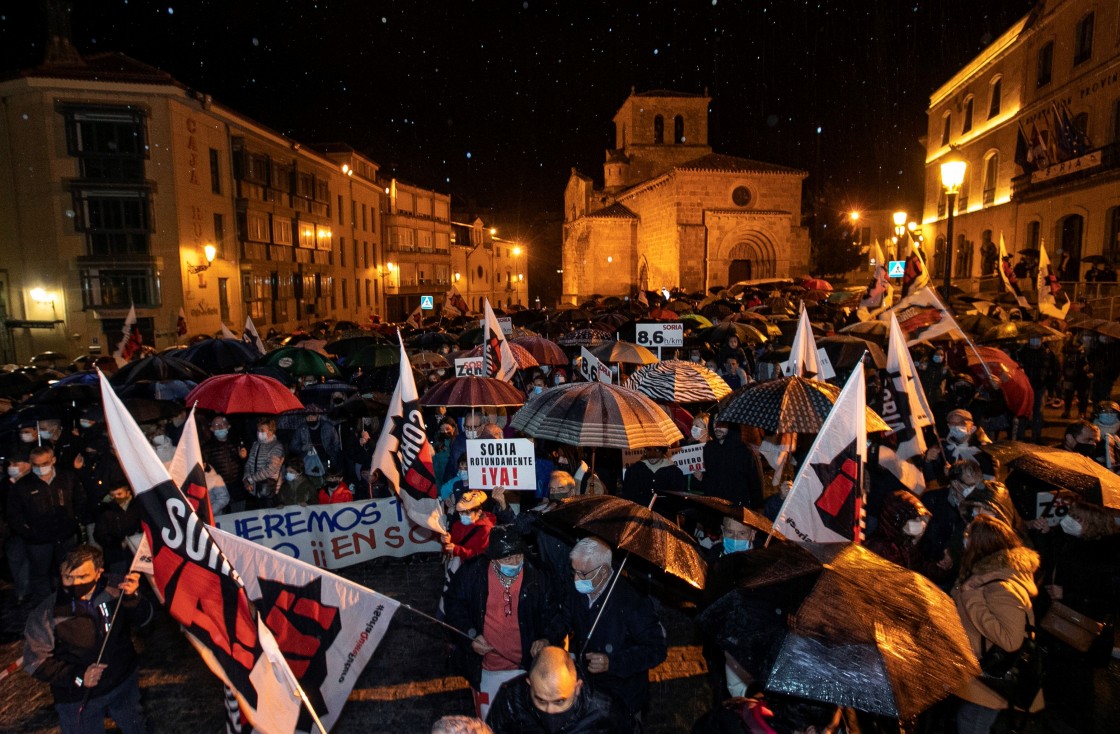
(224, 457)
(642, 481)
(994, 604)
(732, 471)
(629, 633)
(262, 468)
(889, 540)
(593, 712)
(297, 491)
(465, 607)
(114, 524)
(330, 442)
(471, 540)
(340, 494)
(42, 512)
(63, 637)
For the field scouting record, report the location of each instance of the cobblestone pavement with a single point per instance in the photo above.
(408, 683)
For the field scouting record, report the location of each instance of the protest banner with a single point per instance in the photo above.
(690, 459)
(468, 367)
(509, 463)
(1048, 508)
(505, 322)
(333, 536)
(660, 335)
(592, 369)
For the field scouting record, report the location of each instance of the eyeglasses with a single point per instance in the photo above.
(587, 574)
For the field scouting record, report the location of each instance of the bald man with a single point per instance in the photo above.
(551, 698)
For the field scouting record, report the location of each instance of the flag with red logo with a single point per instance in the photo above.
(181, 324)
(916, 275)
(188, 472)
(497, 353)
(921, 315)
(251, 336)
(906, 410)
(879, 293)
(404, 456)
(199, 586)
(416, 318)
(1007, 275)
(326, 627)
(825, 504)
(1052, 301)
(131, 341)
(804, 359)
(454, 304)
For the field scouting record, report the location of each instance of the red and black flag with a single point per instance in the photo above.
(496, 351)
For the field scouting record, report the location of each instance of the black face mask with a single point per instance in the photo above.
(80, 590)
(1086, 449)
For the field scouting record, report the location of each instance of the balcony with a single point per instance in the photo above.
(1042, 183)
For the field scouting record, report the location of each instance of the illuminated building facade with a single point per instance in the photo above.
(1036, 116)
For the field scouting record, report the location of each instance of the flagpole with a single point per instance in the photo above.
(961, 331)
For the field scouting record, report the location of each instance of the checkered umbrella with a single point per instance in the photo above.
(787, 405)
(596, 414)
(677, 381)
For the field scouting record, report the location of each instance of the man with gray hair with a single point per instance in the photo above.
(460, 725)
(627, 641)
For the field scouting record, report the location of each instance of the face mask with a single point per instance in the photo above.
(85, 424)
(160, 440)
(1035, 343)
(221, 434)
(938, 359)
(290, 476)
(697, 432)
(1086, 449)
(1070, 526)
(13, 471)
(967, 489)
(463, 474)
(27, 437)
(312, 421)
(959, 434)
(263, 436)
(1108, 429)
(510, 571)
(80, 590)
(43, 471)
(465, 518)
(560, 380)
(915, 528)
(538, 389)
(470, 433)
(1108, 419)
(736, 545)
(585, 586)
(44, 435)
(546, 369)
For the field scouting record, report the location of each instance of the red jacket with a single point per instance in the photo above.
(472, 540)
(341, 493)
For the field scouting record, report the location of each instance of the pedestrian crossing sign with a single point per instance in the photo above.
(427, 303)
(896, 269)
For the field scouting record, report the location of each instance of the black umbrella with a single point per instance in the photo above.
(321, 393)
(431, 340)
(149, 411)
(787, 405)
(846, 352)
(219, 356)
(1060, 469)
(158, 367)
(837, 623)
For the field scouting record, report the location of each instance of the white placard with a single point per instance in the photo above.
(1047, 508)
(468, 367)
(660, 335)
(690, 458)
(509, 463)
(592, 369)
(827, 371)
(506, 322)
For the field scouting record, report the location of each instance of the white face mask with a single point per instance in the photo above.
(1070, 526)
(290, 476)
(13, 471)
(471, 433)
(967, 489)
(697, 432)
(463, 474)
(263, 436)
(160, 440)
(916, 527)
(959, 434)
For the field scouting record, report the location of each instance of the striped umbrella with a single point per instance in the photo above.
(596, 414)
(624, 353)
(521, 356)
(473, 392)
(677, 381)
(545, 351)
(787, 405)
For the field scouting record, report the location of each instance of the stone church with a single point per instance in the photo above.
(673, 213)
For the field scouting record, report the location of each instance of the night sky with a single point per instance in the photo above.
(494, 101)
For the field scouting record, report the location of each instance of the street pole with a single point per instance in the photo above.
(952, 202)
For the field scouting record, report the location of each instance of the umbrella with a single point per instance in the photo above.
(583, 338)
(545, 351)
(1017, 390)
(787, 405)
(300, 362)
(17, 384)
(613, 320)
(748, 517)
(623, 353)
(816, 284)
(158, 367)
(1094, 259)
(220, 356)
(1101, 326)
(473, 392)
(521, 356)
(874, 330)
(321, 393)
(470, 338)
(361, 407)
(1060, 468)
(266, 370)
(695, 321)
(50, 359)
(374, 355)
(976, 323)
(1021, 331)
(596, 414)
(342, 348)
(71, 393)
(677, 381)
(720, 333)
(838, 623)
(429, 361)
(575, 314)
(635, 529)
(662, 314)
(244, 393)
(428, 340)
(157, 389)
(846, 351)
(145, 410)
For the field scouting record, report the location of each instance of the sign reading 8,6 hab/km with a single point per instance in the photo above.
(660, 335)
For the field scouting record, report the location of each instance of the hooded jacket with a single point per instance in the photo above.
(890, 539)
(995, 606)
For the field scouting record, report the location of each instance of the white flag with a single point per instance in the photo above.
(1048, 296)
(825, 504)
(1006, 274)
(130, 337)
(921, 315)
(404, 455)
(251, 337)
(226, 333)
(905, 407)
(496, 352)
(803, 358)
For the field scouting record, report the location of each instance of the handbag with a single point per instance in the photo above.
(1015, 676)
(1071, 626)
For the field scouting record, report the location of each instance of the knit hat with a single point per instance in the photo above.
(504, 541)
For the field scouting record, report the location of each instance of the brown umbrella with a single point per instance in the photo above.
(623, 353)
(1062, 469)
(838, 623)
(522, 357)
(429, 361)
(473, 392)
(545, 351)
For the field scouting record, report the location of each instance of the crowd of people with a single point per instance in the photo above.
(539, 644)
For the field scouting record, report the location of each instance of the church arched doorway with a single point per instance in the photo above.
(738, 270)
(751, 258)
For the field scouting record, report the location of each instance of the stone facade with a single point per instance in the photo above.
(672, 213)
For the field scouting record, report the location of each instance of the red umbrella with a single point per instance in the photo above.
(473, 392)
(545, 351)
(663, 314)
(243, 393)
(1017, 390)
(817, 284)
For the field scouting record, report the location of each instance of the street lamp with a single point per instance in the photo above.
(952, 176)
(210, 252)
(899, 219)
